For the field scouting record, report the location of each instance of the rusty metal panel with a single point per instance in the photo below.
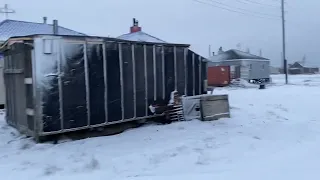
(218, 76)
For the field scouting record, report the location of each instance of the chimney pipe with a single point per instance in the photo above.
(135, 27)
(55, 27)
(45, 20)
(220, 50)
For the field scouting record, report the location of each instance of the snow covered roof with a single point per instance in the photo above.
(234, 54)
(140, 36)
(11, 28)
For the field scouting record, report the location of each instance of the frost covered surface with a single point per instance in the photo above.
(140, 36)
(273, 134)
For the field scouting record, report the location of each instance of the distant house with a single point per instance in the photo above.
(136, 34)
(297, 68)
(11, 28)
(242, 64)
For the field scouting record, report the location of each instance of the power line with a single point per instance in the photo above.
(248, 13)
(245, 10)
(262, 4)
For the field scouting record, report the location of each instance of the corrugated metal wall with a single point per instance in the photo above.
(82, 84)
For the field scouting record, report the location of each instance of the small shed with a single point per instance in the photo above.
(254, 69)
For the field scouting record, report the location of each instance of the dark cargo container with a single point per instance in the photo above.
(57, 84)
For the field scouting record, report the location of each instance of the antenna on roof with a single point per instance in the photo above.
(6, 11)
(260, 52)
(135, 22)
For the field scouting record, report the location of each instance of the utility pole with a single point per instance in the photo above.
(6, 11)
(285, 69)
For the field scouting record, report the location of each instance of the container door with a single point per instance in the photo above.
(15, 87)
(245, 70)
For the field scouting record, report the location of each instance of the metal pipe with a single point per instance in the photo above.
(145, 76)
(154, 72)
(86, 73)
(45, 20)
(55, 27)
(134, 80)
(163, 73)
(175, 68)
(105, 78)
(193, 76)
(200, 76)
(60, 83)
(121, 79)
(185, 72)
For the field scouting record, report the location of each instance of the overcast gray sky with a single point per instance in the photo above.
(186, 21)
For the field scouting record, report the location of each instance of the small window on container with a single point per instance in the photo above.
(262, 66)
(250, 66)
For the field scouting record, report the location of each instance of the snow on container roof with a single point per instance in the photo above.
(233, 54)
(136, 34)
(140, 36)
(12, 28)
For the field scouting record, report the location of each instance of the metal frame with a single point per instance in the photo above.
(145, 76)
(193, 75)
(134, 80)
(121, 79)
(163, 73)
(59, 51)
(154, 72)
(97, 125)
(205, 80)
(86, 72)
(185, 71)
(37, 108)
(105, 78)
(200, 75)
(59, 64)
(175, 68)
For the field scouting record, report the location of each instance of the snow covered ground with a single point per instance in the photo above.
(273, 134)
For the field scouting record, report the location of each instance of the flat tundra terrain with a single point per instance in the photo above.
(272, 134)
